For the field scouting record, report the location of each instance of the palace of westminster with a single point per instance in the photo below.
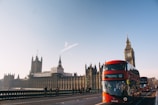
(57, 78)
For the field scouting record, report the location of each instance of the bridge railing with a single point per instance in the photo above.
(19, 94)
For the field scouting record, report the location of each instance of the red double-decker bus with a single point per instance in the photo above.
(120, 82)
(144, 86)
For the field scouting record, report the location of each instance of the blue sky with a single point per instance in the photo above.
(98, 27)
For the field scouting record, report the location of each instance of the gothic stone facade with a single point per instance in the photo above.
(92, 79)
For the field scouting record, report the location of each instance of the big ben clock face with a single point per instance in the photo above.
(128, 54)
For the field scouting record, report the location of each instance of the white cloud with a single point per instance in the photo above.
(68, 47)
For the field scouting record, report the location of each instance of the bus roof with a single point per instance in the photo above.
(115, 61)
(144, 77)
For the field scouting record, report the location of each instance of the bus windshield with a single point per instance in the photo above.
(143, 80)
(116, 88)
(119, 66)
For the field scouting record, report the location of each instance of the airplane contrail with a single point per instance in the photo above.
(68, 46)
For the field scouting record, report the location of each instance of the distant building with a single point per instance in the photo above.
(8, 81)
(66, 81)
(54, 70)
(129, 53)
(36, 65)
(54, 78)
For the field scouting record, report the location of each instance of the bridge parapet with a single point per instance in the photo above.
(19, 94)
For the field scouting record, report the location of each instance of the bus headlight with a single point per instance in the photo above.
(125, 99)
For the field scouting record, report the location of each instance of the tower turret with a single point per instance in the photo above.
(36, 65)
(129, 53)
(60, 68)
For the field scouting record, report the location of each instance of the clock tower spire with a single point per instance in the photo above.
(129, 53)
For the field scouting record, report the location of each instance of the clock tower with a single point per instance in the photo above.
(129, 53)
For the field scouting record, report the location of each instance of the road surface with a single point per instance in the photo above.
(147, 98)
